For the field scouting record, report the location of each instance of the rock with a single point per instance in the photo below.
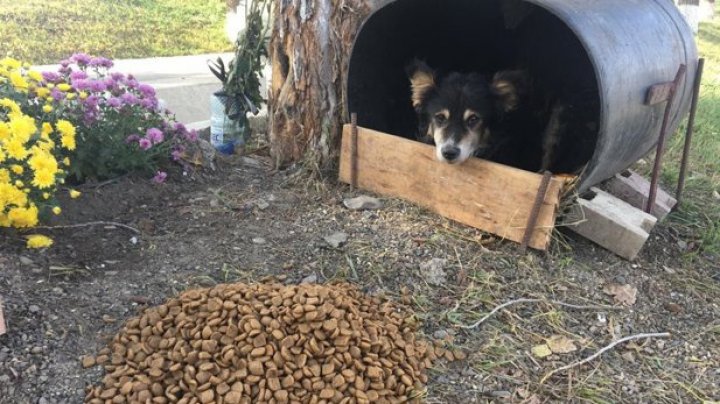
(674, 308)
(440, 334)
(88, 361)
(259, 240)
(34, 308)
(309, 279)
(26, 261)
(336, 240)
(716, 195)
(43, 400)
(433, 271)
(363, 202)
(262, 204)
(500, 394)
(36, 350)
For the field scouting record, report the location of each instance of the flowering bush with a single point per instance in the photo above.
(121, 127)
(34, 149)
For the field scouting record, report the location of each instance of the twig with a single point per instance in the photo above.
(73, 226)
(525, 300)
(603, 350)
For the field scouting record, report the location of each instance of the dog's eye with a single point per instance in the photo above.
(472, 120)
(440, 118)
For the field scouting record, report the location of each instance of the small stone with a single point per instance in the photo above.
(433, 271)
(43, 400)
(336, 240)
(262, 204)
(34, 308)
(440, 334)
(36, 350)
(716, 195)
(500, 394)
(26, 261)
(259, 240)
(674, 308)
(309, 279)
(363, 202)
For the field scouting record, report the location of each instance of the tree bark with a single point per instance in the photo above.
(309, 50)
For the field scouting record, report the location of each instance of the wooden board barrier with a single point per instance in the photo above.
(482, 194)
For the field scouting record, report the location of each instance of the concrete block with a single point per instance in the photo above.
(611, 223)
(632, 188)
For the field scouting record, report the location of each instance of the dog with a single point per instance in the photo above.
(501, 119)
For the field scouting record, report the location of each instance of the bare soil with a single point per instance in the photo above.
(246, 223)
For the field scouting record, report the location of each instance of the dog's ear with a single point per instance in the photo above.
(509, 87)
(422, 81)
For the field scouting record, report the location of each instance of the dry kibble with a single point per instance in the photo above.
(239, 344)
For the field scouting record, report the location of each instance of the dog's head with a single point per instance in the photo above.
(459, 110)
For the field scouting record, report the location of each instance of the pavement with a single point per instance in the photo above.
(184, 83)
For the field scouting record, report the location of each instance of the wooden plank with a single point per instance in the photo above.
(486, 195)
(659, 93)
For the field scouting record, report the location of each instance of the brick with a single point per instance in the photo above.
(611, 223)
(632, 188)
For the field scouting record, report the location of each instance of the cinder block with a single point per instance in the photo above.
(632, 188)
(611, 223)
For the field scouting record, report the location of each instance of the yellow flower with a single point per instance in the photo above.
(64, 87)
(66, 161)
(15, 149)
(57, 210)
(17, 80)
(24, 217)
(46, 195)
(22, 127)
(47, 108)
(46, 129)
(4, 131)
(4, 176)
(67, 130)
(75, 194)
(38, 241)
(10, 104)
(83, 95)
(43, 161)
(19, 184)
(43, 179)
(4, 220)
(10, 63)
(35, 75)
(17, 169)
(2, 154)
(70, 96)
(42, 92)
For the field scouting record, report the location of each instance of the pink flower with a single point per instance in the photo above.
(160, 177)
(155, 135)
(145, 143)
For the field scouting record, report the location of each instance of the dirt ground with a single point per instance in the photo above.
(246, 223)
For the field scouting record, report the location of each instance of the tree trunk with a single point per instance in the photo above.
(310, 49)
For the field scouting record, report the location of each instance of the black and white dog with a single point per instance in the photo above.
(502, 119)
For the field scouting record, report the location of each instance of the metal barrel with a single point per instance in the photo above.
(604, 55)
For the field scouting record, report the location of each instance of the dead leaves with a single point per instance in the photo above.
(556, 344)
(622, 294)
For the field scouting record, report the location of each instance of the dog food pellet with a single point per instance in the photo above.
(241, 344)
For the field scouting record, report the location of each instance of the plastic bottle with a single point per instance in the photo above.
(225, 134)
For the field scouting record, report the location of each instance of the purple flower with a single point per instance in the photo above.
(92, 101)
(146, 90)
(98, 86)
(81, 59)
(114, 102)
(78, 75)
(177, 153)
(81, 85)
(65, 62)
(180, 128)
(155, 135)
(51, 77)
(132, 138)
(145, 143)
(160, 177)
(192, 136)
(101, 62)
(117, 76)
(129, 99)
(57, 94)
(148, 103)
(130, 82)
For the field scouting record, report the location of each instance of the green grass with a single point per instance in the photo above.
(46, 31)
(699, 218)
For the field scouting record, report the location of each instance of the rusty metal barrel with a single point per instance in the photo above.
(602, 54)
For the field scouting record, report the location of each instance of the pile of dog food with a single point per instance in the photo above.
(270, 343)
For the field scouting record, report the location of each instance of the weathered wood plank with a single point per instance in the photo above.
(659, 93)
(486, 195)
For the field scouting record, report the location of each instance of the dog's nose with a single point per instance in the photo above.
(450, 153)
